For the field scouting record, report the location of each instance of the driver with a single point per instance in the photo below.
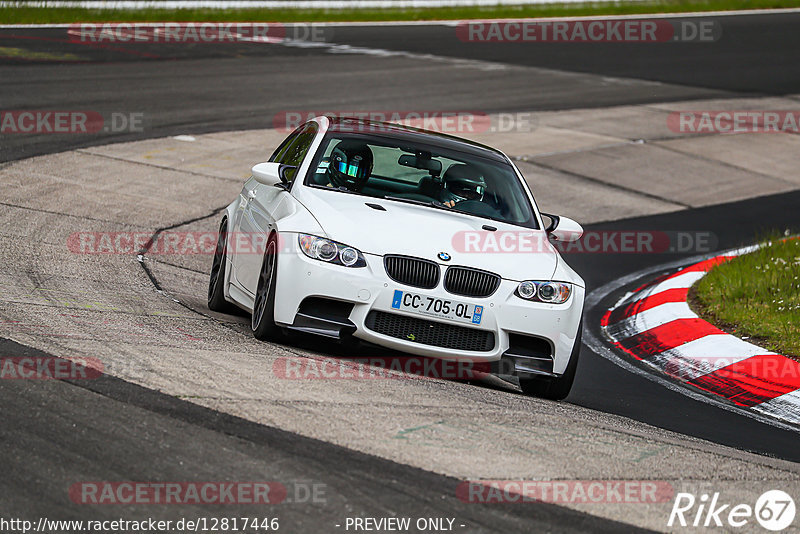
(350, 165)
(462, 182)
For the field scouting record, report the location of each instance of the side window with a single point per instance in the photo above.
(284, 145)
(295, 148)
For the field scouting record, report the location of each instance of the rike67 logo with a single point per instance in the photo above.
(774, 510)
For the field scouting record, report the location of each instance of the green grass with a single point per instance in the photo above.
(21, 53)
(43, 15)
(756, 295)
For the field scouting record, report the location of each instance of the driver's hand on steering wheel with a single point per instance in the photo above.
(449, 203)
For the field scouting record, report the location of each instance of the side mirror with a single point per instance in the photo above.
(267, 173)
(563, 228)
(271, 173)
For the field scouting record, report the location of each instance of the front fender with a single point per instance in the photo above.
(229, 213)
(292, 216)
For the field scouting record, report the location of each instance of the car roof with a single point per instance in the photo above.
(413, 135)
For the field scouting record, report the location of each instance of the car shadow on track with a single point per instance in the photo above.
(363, 359)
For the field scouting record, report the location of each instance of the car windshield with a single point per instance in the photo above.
(393, 169)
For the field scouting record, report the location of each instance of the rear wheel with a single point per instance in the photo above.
(216, 283)
(263, 320)
(555, 388)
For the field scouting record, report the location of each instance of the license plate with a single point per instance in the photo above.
(436, 307)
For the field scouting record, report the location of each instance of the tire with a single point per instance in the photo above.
(216, 283)
(555, 388)
(263, 320)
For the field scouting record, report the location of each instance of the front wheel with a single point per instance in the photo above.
(263, 320)
(555, 388)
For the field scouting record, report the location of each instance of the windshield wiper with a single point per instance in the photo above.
(433, 203)
(341, 189)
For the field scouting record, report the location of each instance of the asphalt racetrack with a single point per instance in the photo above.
(198, 407)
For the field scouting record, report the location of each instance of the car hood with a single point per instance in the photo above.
(513, 252)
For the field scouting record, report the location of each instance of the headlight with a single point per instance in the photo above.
(349, 256)
(549, 292)
(527, 290)
(329, 251)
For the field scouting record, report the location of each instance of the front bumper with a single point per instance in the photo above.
(370, 289)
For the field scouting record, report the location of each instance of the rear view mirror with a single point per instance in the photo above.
(419, 161)
(563, 228)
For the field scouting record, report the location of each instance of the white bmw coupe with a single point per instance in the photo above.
(407, 239)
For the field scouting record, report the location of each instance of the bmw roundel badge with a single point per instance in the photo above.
(444, 256)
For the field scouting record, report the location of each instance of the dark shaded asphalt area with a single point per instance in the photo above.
(184, 87)
(58, 433)
(753, 54)
(601, 385)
